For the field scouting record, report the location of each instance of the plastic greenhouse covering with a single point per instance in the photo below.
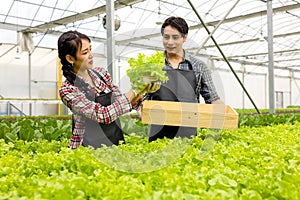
(240, 30)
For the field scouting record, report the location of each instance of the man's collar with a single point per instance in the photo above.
(166, 58)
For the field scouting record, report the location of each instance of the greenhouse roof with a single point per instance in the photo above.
(239, 29)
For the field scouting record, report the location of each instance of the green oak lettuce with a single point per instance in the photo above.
(146, 66)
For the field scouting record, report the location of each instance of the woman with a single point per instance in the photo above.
(96, 103)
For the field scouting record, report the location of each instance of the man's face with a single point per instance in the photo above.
(173, 40)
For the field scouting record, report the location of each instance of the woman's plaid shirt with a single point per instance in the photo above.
(82, 107)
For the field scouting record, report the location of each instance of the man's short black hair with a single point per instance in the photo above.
(176, 22)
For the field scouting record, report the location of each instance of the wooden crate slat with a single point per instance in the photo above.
(189, 114)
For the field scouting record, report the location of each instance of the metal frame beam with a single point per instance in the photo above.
(80, 16)
(214, 23)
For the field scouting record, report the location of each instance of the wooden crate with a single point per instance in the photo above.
(216, 116)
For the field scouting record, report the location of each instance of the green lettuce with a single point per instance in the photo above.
(146, 66)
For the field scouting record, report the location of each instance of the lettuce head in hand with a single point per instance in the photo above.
(145, 68)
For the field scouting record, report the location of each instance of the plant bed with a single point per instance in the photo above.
(247, 163)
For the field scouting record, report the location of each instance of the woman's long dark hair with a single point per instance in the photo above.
(68, 44)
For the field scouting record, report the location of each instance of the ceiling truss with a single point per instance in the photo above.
(135, 42)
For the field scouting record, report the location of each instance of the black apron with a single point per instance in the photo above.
(179, 88)
(98, 134)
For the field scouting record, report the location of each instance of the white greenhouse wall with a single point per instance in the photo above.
(295, 85)
(14, 83)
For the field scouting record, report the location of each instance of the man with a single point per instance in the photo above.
(189, 78)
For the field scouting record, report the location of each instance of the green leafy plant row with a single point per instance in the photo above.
(55, 128)
(247, 163)
(268, 119)
(250, 111)
(30, 129)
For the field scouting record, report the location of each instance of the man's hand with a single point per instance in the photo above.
(154, 86)
(150, 87)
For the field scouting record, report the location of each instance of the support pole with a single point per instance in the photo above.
(59, 75)
(243, 81)
(291, 87)
(29, 82)
(110, 27)
(224, 57)
(29, 75)
(271, 59)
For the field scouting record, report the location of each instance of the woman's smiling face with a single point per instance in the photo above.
(84, 57)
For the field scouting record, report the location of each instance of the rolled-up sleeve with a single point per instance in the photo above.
(205, 86)
(208, 90)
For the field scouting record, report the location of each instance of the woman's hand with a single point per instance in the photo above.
(133, 96)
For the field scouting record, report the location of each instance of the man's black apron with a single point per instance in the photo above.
(179, 88)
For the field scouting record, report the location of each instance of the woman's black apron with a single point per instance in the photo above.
(98, 134)
(179, 88)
